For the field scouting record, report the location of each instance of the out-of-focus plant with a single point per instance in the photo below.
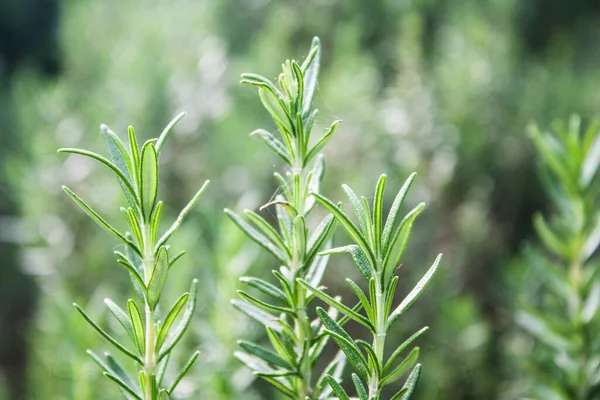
(377, 251)
(562, 315)
(296, 340)
(154, 334)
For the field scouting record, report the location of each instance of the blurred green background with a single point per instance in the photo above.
(441, 87)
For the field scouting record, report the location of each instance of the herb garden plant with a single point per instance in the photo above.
(285, 308)
(563, 314)
(153, 331)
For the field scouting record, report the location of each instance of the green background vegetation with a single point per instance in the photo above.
(444, 88)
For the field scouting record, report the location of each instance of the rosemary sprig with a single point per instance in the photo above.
(147, 260)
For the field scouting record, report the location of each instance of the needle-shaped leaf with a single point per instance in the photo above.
(175, 334)
(321, 142)
(165, 133)
(277, 110)
(392, 217)
(121, 159)
(138, 325)
(265, 287)
(378, 212)
(398, 244)
(337, 389)
(183, 371)
(348, 226)
(148, 179)
(360, 389)
(121, 316)
(319, 237)
(264, 354)
(104, 161)
(159, 277)
(257, 237)
(401, 368)
(258, 314)
(170, 319)
(107, 336)
(122, 384)
(135, 153)
(345, 342)
(416, 292)
(362, 298)
(347, 311)
(274, 144)
(267, 230)
(357, 255)
(111, 366)
(401, 348)
(310, 72)
(98, 219)
(264, 305)
(411, 383)
(180, 217)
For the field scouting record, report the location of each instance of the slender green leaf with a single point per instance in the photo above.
(170, 319)
(310, 71)
(337, 389)
(402, 368)
(99, 220)
(159, 277)
(264, 305)
(274, 144)
(345, 342)
(264, 354)
(416, 292)
(148, 179)
(257, 314)
(138, 326)
(266, 288)
(322, 142)
(392, 217)
(357, 255)
(362, 298)
(175, 334)
(337, 305)
(360, 389)
(258, 237)
(165, 133)
(183, 371)
(401, 348)
(394, 252)
(348, 226)
(411, 383)
(121, 316)
(122, 384)
(180, 218)
(107, 336)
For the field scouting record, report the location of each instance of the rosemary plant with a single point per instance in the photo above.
(376, 253)
(296, 340)
(563, 315)
(146, 258)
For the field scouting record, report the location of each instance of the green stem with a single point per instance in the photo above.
(378, 338)
(150, 334)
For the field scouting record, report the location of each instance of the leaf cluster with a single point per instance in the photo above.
(379, 245)
(296, 341)
(146, 259)
(563, 318)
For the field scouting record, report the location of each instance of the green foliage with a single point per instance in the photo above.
(562, 316)
(297, 342)
(147, 260)
(376, 254)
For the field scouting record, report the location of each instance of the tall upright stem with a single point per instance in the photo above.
(150, 334)
(378, 338)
